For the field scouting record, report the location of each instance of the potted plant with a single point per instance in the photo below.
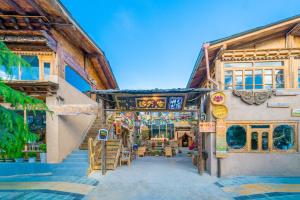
(43, 154)
(19, 157)
(31, 157)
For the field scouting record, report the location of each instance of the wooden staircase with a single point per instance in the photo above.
(113, 151)
(92, 133)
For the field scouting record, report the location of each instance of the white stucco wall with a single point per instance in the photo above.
(269, 164)
(65, 133)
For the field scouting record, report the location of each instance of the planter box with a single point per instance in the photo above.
(32, 160)
(43, 157)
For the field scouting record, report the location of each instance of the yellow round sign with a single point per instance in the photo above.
(220, 111)
(217, 98)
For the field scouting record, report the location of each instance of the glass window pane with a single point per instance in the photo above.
(46, 70)
(254, 141)
(76, 80)
(279, 77)
(9, 74)
(283, 137)
(236, 137)
(258, 79)
(228, 72)
(265, 141)
(268, 64)
(238, 80)
(240, 64)
(31, 72)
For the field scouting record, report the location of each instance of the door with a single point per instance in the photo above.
(260, 140)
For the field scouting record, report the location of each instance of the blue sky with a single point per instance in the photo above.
(155, 43)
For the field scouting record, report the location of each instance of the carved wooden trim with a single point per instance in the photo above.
(253, 97)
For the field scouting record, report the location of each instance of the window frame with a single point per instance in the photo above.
(272, 126)
(253, 68)
(43, 57)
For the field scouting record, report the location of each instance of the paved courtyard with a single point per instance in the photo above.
(157, 178)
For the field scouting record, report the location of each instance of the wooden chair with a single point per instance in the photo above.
(168, 152)
(125, 156)
(141, 151)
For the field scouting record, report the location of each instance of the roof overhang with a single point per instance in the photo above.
(173, 100)
(41, 18)
(290, 25)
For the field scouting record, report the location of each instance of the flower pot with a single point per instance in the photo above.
(32, 160)
(43, 157)
(19, 160)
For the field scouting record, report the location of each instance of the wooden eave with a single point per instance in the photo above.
(259, 34)
(30, 16)
(34, 88)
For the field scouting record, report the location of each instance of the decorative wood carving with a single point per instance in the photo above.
(253, 97)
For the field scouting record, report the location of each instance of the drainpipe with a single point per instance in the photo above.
(205, 46)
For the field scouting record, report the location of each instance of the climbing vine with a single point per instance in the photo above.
(14, 132)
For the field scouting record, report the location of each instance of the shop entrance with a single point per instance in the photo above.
(157, 122)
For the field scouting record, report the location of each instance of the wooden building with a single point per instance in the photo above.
(65, 63)
(257, 75)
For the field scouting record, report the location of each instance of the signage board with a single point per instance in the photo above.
(118, 128)
(103, 134)
(220, 111)
(278, 105)
(296, 112)
(217, 98)
(207, 127)
(221, 143)
(144, 103)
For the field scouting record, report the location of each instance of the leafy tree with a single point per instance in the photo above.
(14, 132)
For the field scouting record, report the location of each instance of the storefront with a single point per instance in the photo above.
(255, 103)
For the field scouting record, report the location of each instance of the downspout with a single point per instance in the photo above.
(205, 46)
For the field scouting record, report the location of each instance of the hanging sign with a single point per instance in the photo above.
(217, 98)
(207, 127)
(103, 134)
(221, 143)
(144, 103)
(220, 111)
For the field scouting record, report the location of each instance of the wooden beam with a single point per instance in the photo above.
(16, 7)
(26, 19)
(38, 9)
(2, 25)
(15, 23)
(51, 42)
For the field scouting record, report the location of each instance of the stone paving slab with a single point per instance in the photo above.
(38, 194)
(274, 188)
(50, 178)
(157, 178)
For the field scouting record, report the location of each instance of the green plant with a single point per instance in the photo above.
(31, 155)
(14, 132)
(43, 148)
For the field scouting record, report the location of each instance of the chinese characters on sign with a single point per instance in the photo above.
(207, 127)
(151, 103)
(221, 144)
(174, 103)
(218, 98)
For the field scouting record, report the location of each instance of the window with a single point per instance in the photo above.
(30, 72)
(256, 75)
(236, 137)
(76, 80)
(46, 70)
(283, 137)
(261, 137)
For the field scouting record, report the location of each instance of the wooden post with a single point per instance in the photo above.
(199, 163)
(103, 157)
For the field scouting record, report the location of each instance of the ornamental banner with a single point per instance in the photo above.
(221, 143)
(153, 103)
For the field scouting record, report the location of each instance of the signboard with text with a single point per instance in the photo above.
(207, 127)
(103, 134)
(145, 103)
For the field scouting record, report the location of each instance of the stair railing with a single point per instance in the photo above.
(118, 154)
(95, 149)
